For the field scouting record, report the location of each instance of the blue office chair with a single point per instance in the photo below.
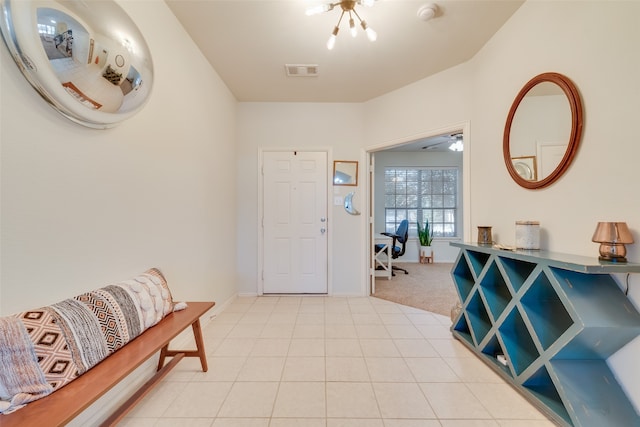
(401, 236)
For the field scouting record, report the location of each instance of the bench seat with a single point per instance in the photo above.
(60, 407)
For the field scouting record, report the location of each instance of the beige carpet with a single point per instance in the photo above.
(427, 286)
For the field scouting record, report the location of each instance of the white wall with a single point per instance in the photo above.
(348, 130)
(581, 40)
(595, 45)
(420, 108)
(82, 208)
(336, 127)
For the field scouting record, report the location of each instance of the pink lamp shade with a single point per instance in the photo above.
(612, 237)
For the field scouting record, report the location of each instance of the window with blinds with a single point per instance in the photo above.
(420, 194)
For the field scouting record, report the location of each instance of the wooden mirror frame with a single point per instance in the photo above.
(345, 168)
(575, 104)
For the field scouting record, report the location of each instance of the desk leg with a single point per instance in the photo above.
(384, 263)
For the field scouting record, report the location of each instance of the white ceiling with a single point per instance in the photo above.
(248, 42)
(433, 143)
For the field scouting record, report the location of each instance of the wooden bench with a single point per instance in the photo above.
(60, 407)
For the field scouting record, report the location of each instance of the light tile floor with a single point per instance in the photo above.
(333, 362)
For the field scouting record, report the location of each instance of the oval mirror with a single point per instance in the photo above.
(543, 130)
(86, 59)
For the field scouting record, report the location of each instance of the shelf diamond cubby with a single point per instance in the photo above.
(546, 312)
(477, 260)
(541, 385)
(519, 344)
(479, 321)
(495, 290)
(493, 349)
(517, 271)
(604, 319)
(464, 278)
(462, 329)
(546, 323)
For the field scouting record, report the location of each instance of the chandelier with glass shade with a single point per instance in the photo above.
(348, 7)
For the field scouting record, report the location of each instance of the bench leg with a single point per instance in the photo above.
(141, 393)
(162, 371)
(197, 334)
(163, 355)
(200, 352)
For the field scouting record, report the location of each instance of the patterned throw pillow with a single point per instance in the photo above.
(66, 339)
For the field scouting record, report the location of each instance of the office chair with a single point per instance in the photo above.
(401, 236)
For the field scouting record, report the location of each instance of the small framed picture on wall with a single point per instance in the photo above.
(345, 172)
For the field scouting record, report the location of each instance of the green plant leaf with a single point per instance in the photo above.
(424, 234)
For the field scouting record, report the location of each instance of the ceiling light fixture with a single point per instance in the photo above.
(457, 145)
(347, 6)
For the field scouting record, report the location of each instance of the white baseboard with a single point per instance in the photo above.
(248, 294)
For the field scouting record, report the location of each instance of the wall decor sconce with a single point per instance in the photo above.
(612, 237)
(348, 204)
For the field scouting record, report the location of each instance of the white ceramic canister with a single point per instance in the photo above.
(528, 235)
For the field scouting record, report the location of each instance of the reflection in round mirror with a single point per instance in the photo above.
(543, 130)
(87, 59)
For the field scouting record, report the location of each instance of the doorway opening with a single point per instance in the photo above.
(417, 155)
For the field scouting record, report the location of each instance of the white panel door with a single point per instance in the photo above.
(295, 222)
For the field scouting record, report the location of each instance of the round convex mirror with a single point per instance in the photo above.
(86, 58)
(543, 130)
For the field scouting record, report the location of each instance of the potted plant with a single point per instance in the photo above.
(425, 238)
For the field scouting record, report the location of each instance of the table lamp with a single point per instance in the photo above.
(612, 237)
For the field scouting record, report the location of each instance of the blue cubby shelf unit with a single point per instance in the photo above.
(547, 322)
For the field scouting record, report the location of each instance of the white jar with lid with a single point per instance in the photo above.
(528, 235)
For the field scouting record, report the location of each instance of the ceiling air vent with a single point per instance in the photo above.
(302, 70)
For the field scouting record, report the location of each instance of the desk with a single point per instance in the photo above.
(382, 258)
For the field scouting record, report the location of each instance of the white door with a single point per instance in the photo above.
(295, 222)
